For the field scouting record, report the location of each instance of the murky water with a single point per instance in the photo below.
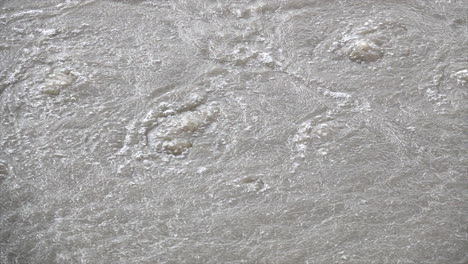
(202, 131)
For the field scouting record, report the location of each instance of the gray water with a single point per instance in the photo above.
(248, 131)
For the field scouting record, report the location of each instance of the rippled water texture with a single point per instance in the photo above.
(248, 131)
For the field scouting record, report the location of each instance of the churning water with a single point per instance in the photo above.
(243, 131)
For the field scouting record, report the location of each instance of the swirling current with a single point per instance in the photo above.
(242, 131)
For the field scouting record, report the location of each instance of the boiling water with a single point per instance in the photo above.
(248, 131)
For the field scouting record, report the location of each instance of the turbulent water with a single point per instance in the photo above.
(244, 131)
